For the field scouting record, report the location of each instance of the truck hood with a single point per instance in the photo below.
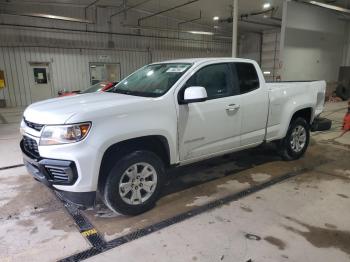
(60, 110)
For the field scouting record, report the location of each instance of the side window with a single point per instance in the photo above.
(247, 77)
(216, 79)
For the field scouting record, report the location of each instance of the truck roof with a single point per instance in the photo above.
(208, 59)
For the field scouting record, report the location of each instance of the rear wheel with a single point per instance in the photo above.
(133, 184)
(295, 143)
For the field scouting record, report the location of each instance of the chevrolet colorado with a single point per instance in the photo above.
(119, 143)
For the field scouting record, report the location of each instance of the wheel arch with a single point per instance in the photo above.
(157, 144)
(304, 112)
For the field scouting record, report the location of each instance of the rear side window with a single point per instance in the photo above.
(216, 79)
(247, 77)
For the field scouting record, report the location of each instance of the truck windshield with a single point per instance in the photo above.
(152, 80)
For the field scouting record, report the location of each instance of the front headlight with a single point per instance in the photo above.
(64, 134)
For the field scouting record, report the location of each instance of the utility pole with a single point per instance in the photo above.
(234, 27)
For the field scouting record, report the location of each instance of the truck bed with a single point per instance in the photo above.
(287, 97)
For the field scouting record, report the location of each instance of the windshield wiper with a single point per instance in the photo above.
(120, 91)
(135, 93)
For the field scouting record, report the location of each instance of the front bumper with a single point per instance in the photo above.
(53, 172)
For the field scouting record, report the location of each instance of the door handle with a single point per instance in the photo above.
(232, 107)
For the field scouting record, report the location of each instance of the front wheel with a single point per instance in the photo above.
(133, 184)
(295, 143)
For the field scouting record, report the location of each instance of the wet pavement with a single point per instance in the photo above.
(200, 184)
(300, 219)
(34, 225)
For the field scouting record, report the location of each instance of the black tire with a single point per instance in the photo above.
(321, 124)
(343, 92)
(285, 147)
(111, 195)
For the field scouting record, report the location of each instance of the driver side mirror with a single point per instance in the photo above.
(194, 94)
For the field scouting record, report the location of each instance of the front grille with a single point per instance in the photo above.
(35, 126)
(30, 146)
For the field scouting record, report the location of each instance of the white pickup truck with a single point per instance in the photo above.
(120, 143)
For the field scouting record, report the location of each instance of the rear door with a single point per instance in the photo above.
(210, 127)
(254, 103)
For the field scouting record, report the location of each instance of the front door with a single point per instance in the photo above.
(40, 88)
(210, 127)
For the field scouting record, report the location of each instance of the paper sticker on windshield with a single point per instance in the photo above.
(176, 69)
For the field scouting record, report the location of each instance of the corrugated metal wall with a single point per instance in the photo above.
(250, 46)
(69, 68)
(270, 54)
(69, 50)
